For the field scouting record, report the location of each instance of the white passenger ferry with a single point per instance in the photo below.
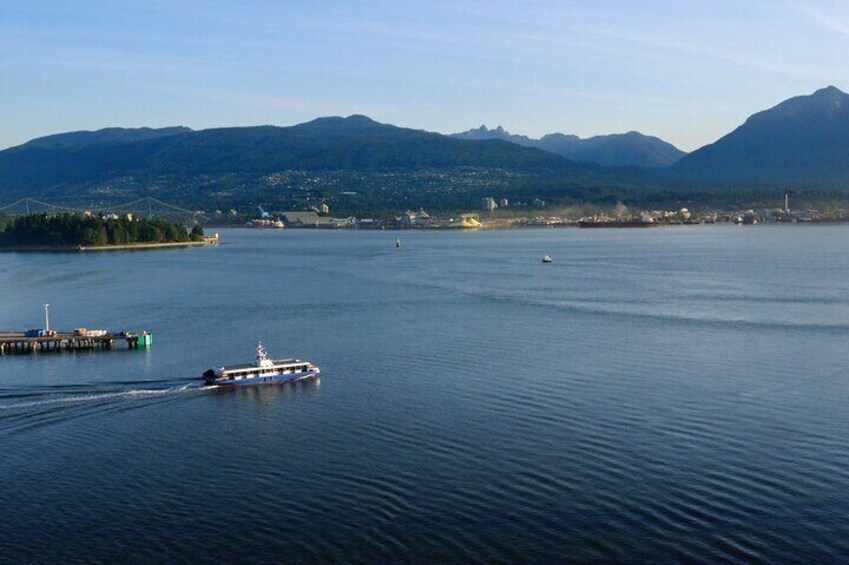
(263, 371)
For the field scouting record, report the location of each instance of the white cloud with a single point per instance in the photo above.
(834, 16)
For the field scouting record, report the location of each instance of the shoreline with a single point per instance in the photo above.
(528, 226)
(129, 247)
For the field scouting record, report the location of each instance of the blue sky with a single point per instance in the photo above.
(686, 71)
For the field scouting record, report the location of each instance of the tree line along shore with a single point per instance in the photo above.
(67, 231)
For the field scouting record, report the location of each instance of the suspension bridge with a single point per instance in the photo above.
(147, 207)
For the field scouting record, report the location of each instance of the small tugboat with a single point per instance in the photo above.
(263, 371)
(547, 259)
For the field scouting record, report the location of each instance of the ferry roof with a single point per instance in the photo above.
(275, 363)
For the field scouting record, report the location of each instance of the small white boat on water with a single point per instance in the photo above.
(547, 259)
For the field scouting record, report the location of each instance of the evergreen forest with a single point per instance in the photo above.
(66, 230)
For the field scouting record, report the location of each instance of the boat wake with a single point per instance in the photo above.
(43, 398)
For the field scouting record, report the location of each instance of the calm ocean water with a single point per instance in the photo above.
(677, 394)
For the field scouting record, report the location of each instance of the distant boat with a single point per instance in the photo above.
(547, 259)
(398, 242)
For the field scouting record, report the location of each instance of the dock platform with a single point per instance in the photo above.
(18, 342)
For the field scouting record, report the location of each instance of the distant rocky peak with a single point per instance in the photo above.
(632, 148)
(831, 97)
(830, 90)
(360, 119)
(484, 129)
(824, 103)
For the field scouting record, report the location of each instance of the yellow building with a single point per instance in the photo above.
(469, 221)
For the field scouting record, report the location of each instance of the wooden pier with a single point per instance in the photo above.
(18, 342)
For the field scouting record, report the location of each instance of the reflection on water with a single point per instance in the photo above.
(676, 395)
(268, 394)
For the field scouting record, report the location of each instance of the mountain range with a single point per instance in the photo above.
(616, 150)
(384, 164)
(106, 135)
(355, 143)
(357, 163)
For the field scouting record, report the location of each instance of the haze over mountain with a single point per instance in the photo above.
(106, 135)
(616, 150)
(318, 159)
(355, 142)
(356, 163)
(802, 140)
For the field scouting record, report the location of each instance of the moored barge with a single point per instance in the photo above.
(634, 222)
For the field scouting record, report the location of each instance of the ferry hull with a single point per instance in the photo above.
(260, 380)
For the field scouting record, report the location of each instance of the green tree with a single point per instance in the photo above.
(101, 238)
(171, 233)
(71, 229)
(89, 237)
